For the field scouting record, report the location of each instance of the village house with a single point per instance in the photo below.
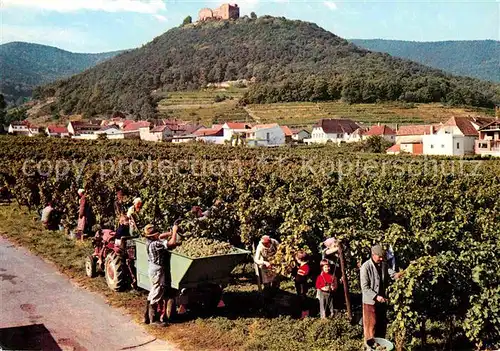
(235, 130)
(488, 142)
(57, 131)
(456, 137)
(23, 128)
(300, 134)
(288, 134)
(383, 131)
(83, 127)
(214, 135)
(181, 128)
(333, 130)
(358, 135)
(410, 138)
(110, 132)
(224, 12)
(265, 135)
(157, 133)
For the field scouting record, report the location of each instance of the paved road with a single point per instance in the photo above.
(40, 306)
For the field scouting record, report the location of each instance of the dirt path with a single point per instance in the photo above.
(41, 309)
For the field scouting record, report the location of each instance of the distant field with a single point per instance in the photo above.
(306, 113)
(200, 106)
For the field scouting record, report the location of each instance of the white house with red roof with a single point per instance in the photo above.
(57, 131)
(214, 135)
(288, 134)
(83, 127)
(235, 129)
(23, 128)
(383, 131)
(456, 137)
(410, 138)
(333, 130)
(157, 133)
(488, 142)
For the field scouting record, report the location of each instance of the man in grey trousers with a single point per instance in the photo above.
(375, 275)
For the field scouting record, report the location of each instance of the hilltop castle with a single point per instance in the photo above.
(224, 12)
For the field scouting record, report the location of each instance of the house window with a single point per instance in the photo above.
(267, 136)
(432, 146)
(442, 146)
(458, 146)
(339, 135)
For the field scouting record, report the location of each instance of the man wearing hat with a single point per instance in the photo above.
(156, 248)
(374, 282)
(133, 215)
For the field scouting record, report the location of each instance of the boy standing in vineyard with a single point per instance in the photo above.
(375, 276)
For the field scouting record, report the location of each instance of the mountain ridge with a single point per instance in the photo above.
(26, 65)
(474, 58)
(290, 60)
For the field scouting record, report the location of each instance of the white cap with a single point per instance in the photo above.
(81, 191)
(137, 200)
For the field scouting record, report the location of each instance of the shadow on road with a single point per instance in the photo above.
(28, 337)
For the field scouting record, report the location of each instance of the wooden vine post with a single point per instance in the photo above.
(346, 283)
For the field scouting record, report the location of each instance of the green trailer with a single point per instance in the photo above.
(196, 282)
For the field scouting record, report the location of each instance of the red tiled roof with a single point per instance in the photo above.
(191, 128)
(463, 124)
(297, 131)
(209, 132)
(25, 123)
(234, 125)
(337, 126)
(57, 129)
(265, 126)
(493, 125)
(394, 148)
(359, 131)
(481, 121)
(415, 130)
(159, 129)
(136, 125)
(287, 131)
(380, 130)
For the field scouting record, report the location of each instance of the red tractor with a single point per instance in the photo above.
(114, 257)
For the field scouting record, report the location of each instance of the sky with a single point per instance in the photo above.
(108, 25)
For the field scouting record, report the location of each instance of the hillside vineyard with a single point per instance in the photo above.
(441, 216)
(288, 60)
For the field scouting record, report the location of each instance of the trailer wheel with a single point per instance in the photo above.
(212, 295)
(114, 271)
(90, 266)
(170, 309)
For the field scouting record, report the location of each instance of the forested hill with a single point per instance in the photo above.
(25, 65)
(290, 61)
(474, 58)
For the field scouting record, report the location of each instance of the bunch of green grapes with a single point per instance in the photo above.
(203, 247)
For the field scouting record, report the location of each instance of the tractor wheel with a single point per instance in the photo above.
(90, 266)
(114, 271)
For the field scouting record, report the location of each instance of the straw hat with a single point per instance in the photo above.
(150, 231)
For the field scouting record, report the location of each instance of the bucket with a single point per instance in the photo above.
(386, 344)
